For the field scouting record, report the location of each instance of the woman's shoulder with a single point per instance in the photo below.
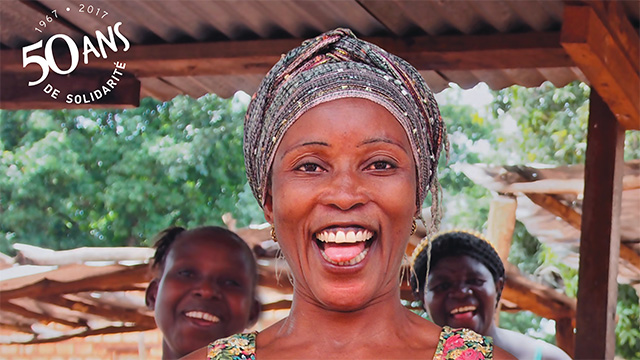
(463, 344)
(528, 347)
(235, 347)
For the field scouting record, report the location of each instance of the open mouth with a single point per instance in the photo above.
(203, 317)
(463, 312)
(344, 246)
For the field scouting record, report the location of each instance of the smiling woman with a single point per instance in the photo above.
(203, 287)
(459, 277)
(341, 148)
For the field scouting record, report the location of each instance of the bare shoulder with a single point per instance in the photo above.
(525, 347)
(200, 354)
(552, 352)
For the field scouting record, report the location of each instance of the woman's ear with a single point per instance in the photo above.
(499, 287)
(268, 207)
(150, 294)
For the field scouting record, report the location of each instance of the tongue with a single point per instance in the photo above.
(463, 316)
(343, 252)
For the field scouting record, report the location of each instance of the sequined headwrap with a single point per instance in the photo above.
(338, 65)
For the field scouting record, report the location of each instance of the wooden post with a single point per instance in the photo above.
(565, 338)
(600, 234)
(501, 223)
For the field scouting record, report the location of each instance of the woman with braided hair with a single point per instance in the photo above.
(341, 144)
(459, 278)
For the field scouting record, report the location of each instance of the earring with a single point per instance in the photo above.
(273, 234)
(414, 226)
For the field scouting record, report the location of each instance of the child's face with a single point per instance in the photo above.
(204, 293)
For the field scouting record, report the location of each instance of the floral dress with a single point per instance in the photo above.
(454, 344)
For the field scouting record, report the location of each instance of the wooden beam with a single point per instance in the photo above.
(594, 47)
(88, 332)
(34, 255)
(77, 91)
(278, 305)
(563, 186)
(628, 254)
(600, 234)
(39, 317)
(557, 208)
(23, 328)
(574, 219)
(480, 52)
(537, 298)
(455, 52)
(107, 312)
(126, 279)
(501, 223)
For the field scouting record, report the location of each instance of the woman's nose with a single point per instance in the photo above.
(460, 290)
(207, 289)
(345, 191)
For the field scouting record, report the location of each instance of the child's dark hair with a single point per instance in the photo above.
(454, 243)
(167, 237)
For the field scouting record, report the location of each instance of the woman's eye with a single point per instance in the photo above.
(380, 165)
(309, 167)
(476, 282)
(185, 273)
(441, 287)
(230, 282)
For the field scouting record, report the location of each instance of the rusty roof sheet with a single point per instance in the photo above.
(179, 22)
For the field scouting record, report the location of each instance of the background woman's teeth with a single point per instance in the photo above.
(203, 316)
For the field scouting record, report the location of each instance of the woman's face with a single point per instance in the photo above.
(461, 293)
(342, 200)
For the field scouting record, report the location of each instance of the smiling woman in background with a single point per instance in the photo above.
(460, 282)
(341, 148)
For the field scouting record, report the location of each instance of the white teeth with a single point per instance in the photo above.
(463, 309)
(340, 236)
(353, 261)
(203, 316)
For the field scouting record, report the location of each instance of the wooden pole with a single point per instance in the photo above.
(600, 234)
(565, 338)
(501, 223)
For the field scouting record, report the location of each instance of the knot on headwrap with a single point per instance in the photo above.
(338, 65)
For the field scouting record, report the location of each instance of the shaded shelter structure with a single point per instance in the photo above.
(196, 47)
(48, 296)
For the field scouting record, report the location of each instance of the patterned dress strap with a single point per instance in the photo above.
(463, 344)
(234, 347)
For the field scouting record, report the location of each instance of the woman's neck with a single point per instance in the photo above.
(318, 330)
(384, 312)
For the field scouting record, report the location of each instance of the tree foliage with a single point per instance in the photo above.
(111, 178)
(552, 126)
(544, 125)
(116, 177)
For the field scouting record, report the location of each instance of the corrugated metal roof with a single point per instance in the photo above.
(176, 22)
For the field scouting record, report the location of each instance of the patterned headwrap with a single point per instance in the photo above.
(453, 243)
(338, 65)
